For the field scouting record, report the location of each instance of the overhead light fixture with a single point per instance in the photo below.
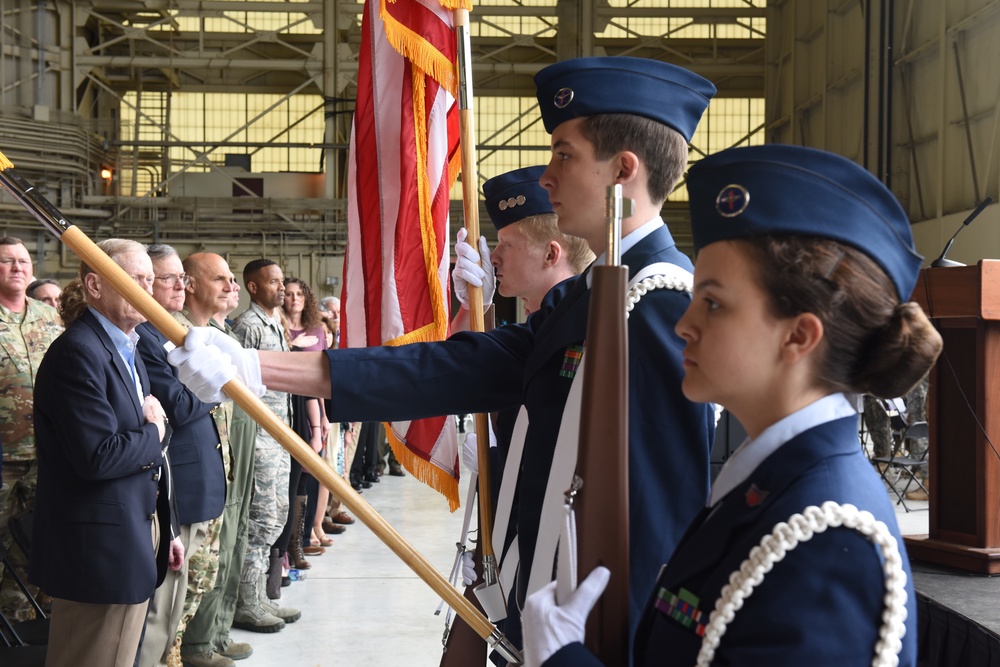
(106, 173)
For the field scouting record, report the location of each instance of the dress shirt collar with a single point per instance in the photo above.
(753, 452)
(629, 241)
(125, 344)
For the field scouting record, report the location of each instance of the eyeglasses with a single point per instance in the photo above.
(11, 261)
(172, 279)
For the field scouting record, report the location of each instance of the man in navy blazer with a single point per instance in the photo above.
(196, 457)
(102, 511)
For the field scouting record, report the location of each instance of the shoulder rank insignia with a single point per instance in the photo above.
(571, 361)
(683, 608)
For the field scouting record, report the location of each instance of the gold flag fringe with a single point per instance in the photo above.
(423, 470)
(415, 48)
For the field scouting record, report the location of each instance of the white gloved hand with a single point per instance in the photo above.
(209, 359)
(468, 569)
(468, 271)
(470, 449)
(549, 626)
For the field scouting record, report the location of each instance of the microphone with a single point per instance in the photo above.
(942, 260)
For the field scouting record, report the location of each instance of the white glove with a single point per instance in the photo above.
(209, 359)
(548, 626)
(468, 569)
(468, 272)
(470, 449)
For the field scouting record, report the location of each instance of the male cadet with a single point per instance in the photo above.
(613, 120)
(206, 642)
(196, 457)
(531, 257)
(259, 328)
(27, 328)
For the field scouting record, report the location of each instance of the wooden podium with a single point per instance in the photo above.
(964, 417)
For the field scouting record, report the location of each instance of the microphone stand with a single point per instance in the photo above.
(942, 261)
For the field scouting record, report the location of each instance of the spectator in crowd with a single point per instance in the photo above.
(45, 290)
(103, 535)
(27, 328)
(259, 328)
(198, 451)
(300, 317)
(213, 293)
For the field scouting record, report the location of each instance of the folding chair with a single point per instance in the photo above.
(14, 651)
(34, 632)
(16, 647)
(902, 464)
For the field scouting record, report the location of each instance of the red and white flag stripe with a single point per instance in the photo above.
(403, 161)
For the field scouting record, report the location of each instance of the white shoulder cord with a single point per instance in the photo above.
(665, 276)
(785, 537)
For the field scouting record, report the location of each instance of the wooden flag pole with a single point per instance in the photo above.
(50, 217)
(470, 201)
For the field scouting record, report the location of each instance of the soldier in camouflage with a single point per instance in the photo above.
(27, 328)
(214, 575)
(199, 453)
(259, 328)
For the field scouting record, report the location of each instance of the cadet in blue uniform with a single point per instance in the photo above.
(805, 265)
(612, 120)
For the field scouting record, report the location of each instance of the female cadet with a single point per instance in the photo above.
(805, 266)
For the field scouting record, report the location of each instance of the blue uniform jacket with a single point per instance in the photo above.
(195, 450)
(99, 470)
(513, 365)
(821, 605)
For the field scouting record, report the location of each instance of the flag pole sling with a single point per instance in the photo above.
(54, 222)
(470, 202)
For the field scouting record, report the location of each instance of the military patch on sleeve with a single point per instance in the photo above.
(571, 361)
(683, 608)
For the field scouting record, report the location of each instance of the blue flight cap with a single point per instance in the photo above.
(781, 189)
(618, 84)
(516, 195)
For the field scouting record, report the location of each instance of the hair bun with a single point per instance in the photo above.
(900, 353)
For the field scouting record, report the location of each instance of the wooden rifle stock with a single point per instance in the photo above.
(602, 464)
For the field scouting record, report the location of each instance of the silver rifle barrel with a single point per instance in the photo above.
(614, 216)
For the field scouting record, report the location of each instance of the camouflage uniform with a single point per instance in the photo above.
(877, 423)
(203, 562)
(916, 411)
(269, 507)
(207, 629)
(203, 570)
(24, 338)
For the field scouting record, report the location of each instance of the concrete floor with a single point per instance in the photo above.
(363, 607)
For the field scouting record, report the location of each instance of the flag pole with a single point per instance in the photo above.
(470, 201)
(54, 222)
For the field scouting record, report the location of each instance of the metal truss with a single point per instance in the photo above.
(134, 54)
